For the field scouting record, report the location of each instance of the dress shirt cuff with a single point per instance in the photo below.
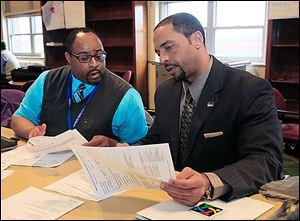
(217, 185)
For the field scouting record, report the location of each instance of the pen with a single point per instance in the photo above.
(30, 143)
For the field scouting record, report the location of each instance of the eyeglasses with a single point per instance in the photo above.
(87, 58)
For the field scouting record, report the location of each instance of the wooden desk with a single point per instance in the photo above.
(16, 83)
(121, 206)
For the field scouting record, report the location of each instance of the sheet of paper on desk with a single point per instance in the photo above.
(44, 151)
(35, 204)
(76, 184)
(114, 169)
(239, 209)
(6, 173)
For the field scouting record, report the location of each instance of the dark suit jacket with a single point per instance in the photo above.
(248, 154)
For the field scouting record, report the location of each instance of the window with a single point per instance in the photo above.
(25, 35)
(234, 30)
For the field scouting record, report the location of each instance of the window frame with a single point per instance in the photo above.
(211, 28)
(32, 54)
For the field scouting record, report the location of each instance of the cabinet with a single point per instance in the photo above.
(282, 58)
(122, 27)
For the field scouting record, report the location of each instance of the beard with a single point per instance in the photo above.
(92, 80)
(180, 77)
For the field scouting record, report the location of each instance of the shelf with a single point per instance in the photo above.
(284, 81)
(116, 44)
(119, 68)
(105, 19)
(282, 57)
(55, 44)
(286, 45)
(122, 27)
(108, 10)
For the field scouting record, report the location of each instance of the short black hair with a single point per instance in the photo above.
(72, 36)
(183, 23)
(3, 45)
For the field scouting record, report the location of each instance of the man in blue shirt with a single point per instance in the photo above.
(83, 95)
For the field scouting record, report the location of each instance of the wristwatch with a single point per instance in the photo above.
(216, 187)
(209, 192)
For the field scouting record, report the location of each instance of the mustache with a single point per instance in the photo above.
(95, 70)
(161, 63)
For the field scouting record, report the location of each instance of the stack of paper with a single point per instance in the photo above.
(112, 170)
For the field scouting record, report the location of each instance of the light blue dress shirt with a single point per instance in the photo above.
(129, 122)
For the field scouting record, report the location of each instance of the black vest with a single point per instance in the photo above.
(98, 115)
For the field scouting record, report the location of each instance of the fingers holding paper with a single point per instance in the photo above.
(188, 187)
(101, 141)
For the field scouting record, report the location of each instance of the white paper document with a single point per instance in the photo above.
(35, 204)
(239, 209)
(4, 164)
(74, 13)
(76, 184)
(115, 169)
(44, 151)
(6, 173)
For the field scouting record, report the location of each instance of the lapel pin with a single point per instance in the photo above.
(210, 104)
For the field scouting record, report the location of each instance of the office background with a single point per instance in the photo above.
(141, 51)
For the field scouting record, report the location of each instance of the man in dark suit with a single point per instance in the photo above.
(234, 142)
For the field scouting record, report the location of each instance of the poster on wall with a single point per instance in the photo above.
(53, 15)
(283, 9)
(63, 14)
(74, 14)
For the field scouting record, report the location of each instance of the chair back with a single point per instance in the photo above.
(290, 131)
(279, 100)
(10, 102)
(127, 76)
(27, 85)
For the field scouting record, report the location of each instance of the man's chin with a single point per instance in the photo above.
(180, 77)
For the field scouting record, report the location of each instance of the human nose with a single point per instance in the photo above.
(93, 62)
(164, 57)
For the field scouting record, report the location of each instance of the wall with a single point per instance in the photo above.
(153, 7)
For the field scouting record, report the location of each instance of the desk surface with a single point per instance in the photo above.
(17, 83)
(121, 206)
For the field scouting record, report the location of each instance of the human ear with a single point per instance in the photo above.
(198, 39)
(67, 56)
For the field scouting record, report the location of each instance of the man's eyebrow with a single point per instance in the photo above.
(163, 44)
(86, 52)
(166, 42)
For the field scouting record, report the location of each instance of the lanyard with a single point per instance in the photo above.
(69, 102)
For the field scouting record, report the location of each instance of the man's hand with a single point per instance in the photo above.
(37, 131)
(101, 141)
(122, 145)
(188, 187)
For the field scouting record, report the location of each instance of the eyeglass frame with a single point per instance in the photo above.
(103, 53)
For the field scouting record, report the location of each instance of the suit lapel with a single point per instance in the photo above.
(173, 120)
(207, 102)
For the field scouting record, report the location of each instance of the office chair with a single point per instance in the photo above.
(290, 124)
(27, 85)
(127, 76)
(10, 102)
(149, 119)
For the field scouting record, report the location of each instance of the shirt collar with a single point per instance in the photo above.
(76, 82)
(197, 85)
